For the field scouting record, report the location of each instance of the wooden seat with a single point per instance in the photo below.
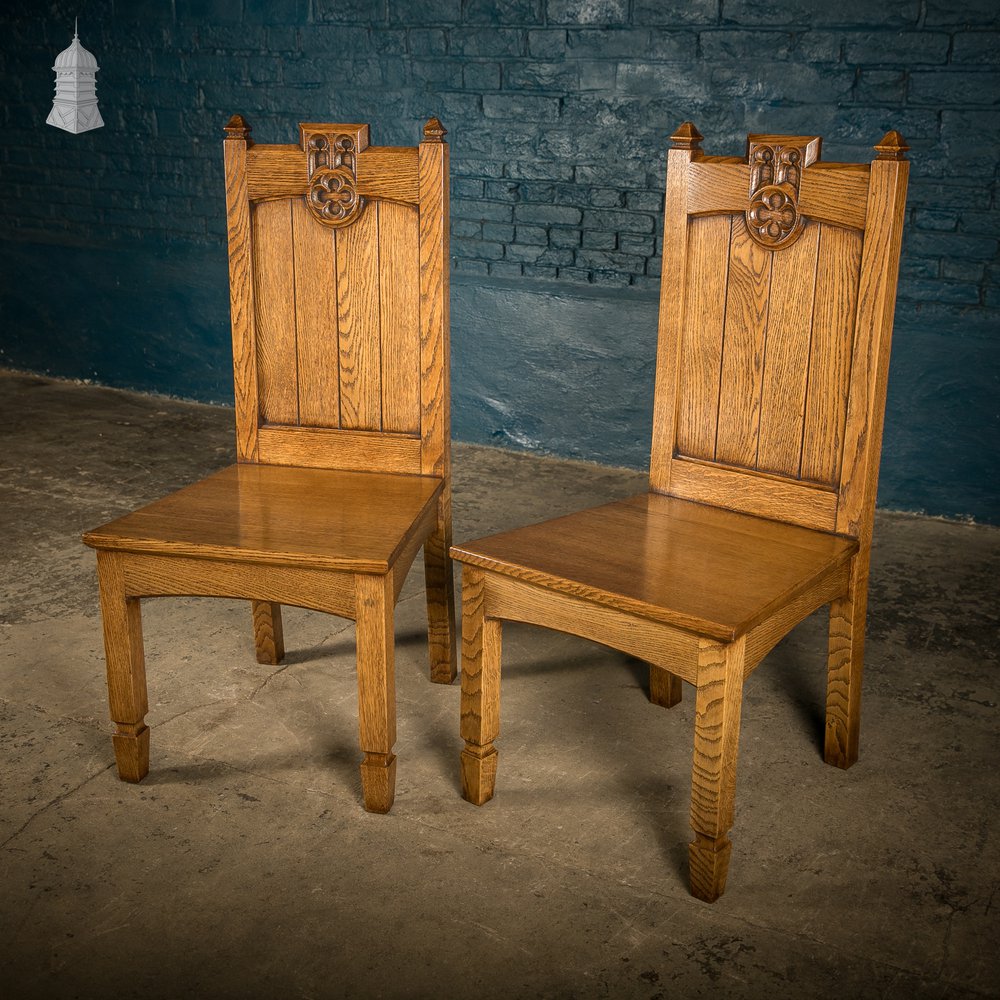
(339, 289)
(778, 290)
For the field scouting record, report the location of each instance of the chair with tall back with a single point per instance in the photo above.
(338, 254)
(776, 308)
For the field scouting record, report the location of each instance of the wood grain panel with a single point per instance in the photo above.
(786, 356)
(358, 323)
(743, 348)
(316, 345)
(388, 172)
(325, 448)
(701, 340)
(274, 300)
(717, 187)
(399, 286)
(834, 310)
(754, 493)
(835, 193)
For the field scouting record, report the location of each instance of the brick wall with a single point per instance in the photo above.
(558, 114)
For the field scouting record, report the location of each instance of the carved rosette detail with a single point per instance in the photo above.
(333, 181)
(772, 215)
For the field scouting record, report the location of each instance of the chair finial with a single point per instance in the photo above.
(238, 128)
(892, 147)
(434, 131)
(686, 136)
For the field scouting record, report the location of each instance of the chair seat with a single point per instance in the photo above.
(322, 518)
(702, 569)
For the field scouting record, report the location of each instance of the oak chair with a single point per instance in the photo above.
(338, 254)
(776, 308)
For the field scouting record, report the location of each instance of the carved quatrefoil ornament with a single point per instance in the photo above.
(776, 165)
(331, 153)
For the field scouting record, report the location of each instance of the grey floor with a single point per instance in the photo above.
(245, 867)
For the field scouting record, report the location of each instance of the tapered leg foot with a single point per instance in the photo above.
(440, 586)
(480, 726)
(713, 776)
(268, 637)
(376, 690)
(845, 663)
(664, 687)
(378, 781)
(479, 774)
(126, 667)
(132, 752)
(708, 864)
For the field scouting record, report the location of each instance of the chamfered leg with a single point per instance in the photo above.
(376, 689)
(268, 637)
(481, 644)
(845, 663)
(713, 776)
(126, 667)
(664, 687)
(440, 587)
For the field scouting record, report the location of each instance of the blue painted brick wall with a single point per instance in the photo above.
(558, 113)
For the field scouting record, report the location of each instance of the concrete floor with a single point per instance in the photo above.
(245, 867)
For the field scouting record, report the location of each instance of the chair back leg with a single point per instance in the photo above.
(268, 637)
(440, 587)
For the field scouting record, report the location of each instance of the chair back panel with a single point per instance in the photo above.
(339, 299)
(774, 328)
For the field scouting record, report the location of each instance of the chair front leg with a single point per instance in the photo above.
(481, 647)
(713, 777)
(376, 689)
(126, 667)
(268, 636)
(440, 586)
(845, 664)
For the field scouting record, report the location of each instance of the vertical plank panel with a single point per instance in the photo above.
(358, 323)
(743, 348)
(786, 356)
(274, 299)
(701, 340)
(837, 271)
(399, 283)
(316, 345)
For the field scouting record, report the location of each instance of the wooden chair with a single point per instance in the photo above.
(776, 308)
(338, 265)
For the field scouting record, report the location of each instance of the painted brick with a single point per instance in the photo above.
(465, 187)
(503, 11)
(419, 11)
(727, 43)
(538, 271)
(505, 269)
(642, 245)
(877, 86)
(606, 43)
(925, 244)
(344, 11)
(466, 229)
(559, 237)
(586, 11)
(887, 13)
(539, 255)
(967, 14)
(968, 271)
(936, 220)
(482, 210)
(820, 46)
(577, 275)
(533, 235)
(502, 190)
(565, 215)
(626, 222)
(521, 107)
(477, 168)
(470, 266)
(599, 240)
(427, 41)
(607, 198)
(478, 249)
(481, 75)
(657, 12)
(547, 43)
(980, 47)
(896, 47)
(276, 12)
(487, 42)
(540, 171)
(499, 232)
(597, 75)
(939, 291)
(956, 88)
(664, 78)
(559, 76)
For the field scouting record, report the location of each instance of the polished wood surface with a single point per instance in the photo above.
(706, 570)
(340, 359)
(770, 390)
